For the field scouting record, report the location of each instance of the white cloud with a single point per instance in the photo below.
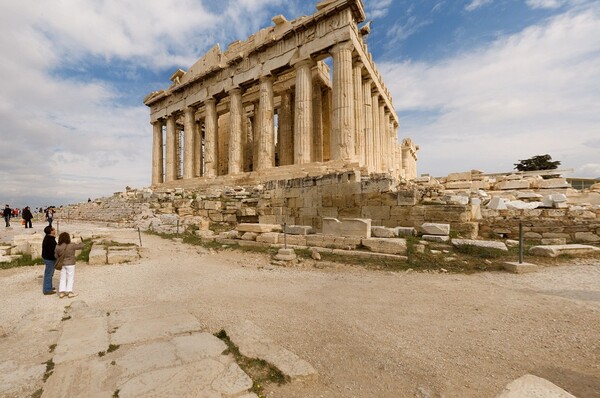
(531, 93)
(402, 30)
(475, 4)
(378, 8)
(549, 4)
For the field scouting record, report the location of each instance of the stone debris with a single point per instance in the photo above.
(520, 268)
(435, 229)
(254, 343)
(497, 203)
(530, 386)
(487, 244)
(557, 250)
(436, 238)
(382, 245)
(299, 229)
(347, 227)
(285, 255)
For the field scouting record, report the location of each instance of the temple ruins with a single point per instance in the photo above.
(271, 106)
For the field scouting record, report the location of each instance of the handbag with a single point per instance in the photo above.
(59, 262)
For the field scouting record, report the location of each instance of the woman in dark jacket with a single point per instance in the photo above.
(27, 216)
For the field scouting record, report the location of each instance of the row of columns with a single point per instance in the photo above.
(353, 124)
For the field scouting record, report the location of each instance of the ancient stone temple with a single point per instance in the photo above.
(273, 102)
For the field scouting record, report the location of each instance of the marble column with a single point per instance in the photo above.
(286, 130)
(342, 134)
(171, 150)
(210, 143)
(368, 121)
(157, 153)
(189, 129)
(317, 138)
(235, 131)
(303, 112)
(197, 150)
(266, 128)
(383, 137)
(376, 138)
(359, 120)
(327, 113)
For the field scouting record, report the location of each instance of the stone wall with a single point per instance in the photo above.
(307, 200)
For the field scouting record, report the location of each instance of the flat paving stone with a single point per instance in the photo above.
(198, 346)
(153, 328)
(122, 256)
(556, 250)
(138, 359)
(253, 343)
(82, 378)
(80, 338)
(16, 379)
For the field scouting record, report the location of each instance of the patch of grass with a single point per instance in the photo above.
(66, 318)
(112, 243)
(84, 256)
(49, 369)
(38, 393)
(261, 372)
(101, 353)
(480, 252)
(113, 347)
(116, 394)
(23, 261)
(52, 348)
(217, 228)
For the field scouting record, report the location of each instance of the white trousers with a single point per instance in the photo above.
(67, 274)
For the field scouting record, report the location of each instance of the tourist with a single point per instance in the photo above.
(67, 274)
(48, 247)
(7, 213)
(27, 216)
(49, 215)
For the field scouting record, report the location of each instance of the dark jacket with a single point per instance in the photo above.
(48, 247)
(7, 212)
(27, 214)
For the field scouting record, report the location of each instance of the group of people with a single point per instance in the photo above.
(27, 215)
(63, 251)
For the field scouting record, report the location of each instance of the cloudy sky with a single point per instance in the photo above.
(478, 84)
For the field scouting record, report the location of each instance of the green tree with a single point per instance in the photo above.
(539, 162)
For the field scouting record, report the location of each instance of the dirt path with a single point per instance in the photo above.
(367, 333)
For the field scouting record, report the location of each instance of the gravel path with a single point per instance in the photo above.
(367, 333)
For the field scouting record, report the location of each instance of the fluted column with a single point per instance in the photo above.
(376, 137)
(197, 150)
(171, 149)
(359, 119)
(317, 138)
(189, 128)
(368, 121)
(266, 131)
(342, 135)
(235, 131)
(303, 113)
(286, 130)
(157, 153)
(383, 137)
(391, 159)
(327, 113)
(211, 143)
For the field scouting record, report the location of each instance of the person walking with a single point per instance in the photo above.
(50, 215)
(27, 216)
(7, 213)
(48, 247)
(67, 274)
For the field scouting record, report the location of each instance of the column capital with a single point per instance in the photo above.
(358, 64)
(235, 90)
(211, 100)
(345, 45)
(304, 62)
(266, 78)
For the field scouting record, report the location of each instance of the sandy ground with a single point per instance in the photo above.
(367, 333)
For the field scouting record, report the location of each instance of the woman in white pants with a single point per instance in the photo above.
(67, 274)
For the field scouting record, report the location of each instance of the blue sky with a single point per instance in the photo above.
(477, 84)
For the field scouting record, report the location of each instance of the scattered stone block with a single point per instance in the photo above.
(285, 255)
(487, 244)
(512, 184)
(554, 241)
(435, 229)
(98, 255)
(383, 232)
(259, 228)
(457, 200)
(587, 237)
(299, 229)
(530, 386)
(553, 183)
(122, 256)
(459, 185)
(520, 268)
(497, 204)
(383, 245)
(556, 250)
(268, 237)
(249, 236)
(406, 231)
(520, 205)
(436, 238)
(350, 227)
(464, 176)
